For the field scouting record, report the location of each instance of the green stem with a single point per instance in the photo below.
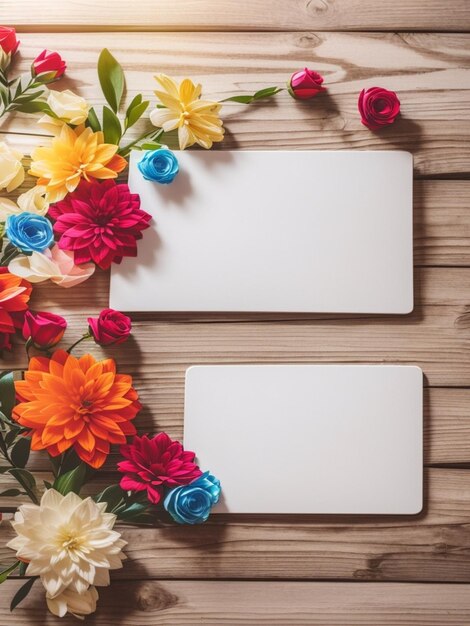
(84, 338)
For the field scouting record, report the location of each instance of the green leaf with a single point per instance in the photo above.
(240, 99)
(47, 484)
(93, 121)
(111, 79)
(22, 592)
(20, 451)
(4, 469)
(149, 146)
(11, 493)
(6, 572)
(34, 107)
(134, 114)
(7, 393)
(71, 481)
(111, 127)
(133, 511)
(23, 476)
(10, 437)
(267, 92)
(112, 495)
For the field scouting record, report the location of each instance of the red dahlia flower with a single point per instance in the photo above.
(100, 222)
(155, 463)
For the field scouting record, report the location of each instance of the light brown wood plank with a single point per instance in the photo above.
(433, 546)
(431, 73)
(435, 336)
(85, 15)
(185, 603)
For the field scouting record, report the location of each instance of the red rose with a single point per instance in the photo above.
(50, 64)
(8, 41)
(305, 84)
(111, 327)
(44, 329)
(378, 107)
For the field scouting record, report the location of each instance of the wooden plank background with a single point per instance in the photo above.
(285, 569)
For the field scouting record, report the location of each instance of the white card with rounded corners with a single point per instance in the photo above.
(274, 231)
(312, 439)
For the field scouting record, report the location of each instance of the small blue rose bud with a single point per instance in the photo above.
(192, 504)
(160, 166)
(29, 232)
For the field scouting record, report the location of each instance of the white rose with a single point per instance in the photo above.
(68, 106)
(69, 601)
(11, 168)
(34, 200)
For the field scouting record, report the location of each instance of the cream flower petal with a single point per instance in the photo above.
(164, 117)
(7, 207)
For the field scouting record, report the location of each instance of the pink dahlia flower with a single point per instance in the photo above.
(100, 222)
(152, 464)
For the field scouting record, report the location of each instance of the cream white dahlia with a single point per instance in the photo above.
(78, 604)
(69, 542)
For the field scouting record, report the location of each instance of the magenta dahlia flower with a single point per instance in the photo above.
(153, 464)
(100, 222)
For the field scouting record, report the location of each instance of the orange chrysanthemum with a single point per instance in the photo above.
(76, 402)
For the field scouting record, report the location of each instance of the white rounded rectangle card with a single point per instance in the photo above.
(318, 439)
(274, 231)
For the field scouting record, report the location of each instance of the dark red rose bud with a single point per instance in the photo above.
(44, 329)
(305, 84)
(111, 327)
(378, 107)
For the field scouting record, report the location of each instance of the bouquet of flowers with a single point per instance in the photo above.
(75, 410)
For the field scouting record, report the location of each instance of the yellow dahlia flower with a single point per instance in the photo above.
(72, 155)
(197, 120)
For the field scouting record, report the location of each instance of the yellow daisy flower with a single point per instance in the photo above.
(197, 120)
(73, 154)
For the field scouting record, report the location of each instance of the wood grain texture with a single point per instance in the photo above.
(431, 73)
(433, 546)
(223, 603)
(435, 336)
(223, 15)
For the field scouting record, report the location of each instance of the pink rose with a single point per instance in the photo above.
(378, 107)
(8, 41)
(50, 64)
(305, 84)
(44, 329)
(111, 327)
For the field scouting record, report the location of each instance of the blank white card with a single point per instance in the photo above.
(322, 439)
(299, 231)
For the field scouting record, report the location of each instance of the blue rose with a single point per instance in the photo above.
(159, 165)
(29, 232)
(192, 504)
